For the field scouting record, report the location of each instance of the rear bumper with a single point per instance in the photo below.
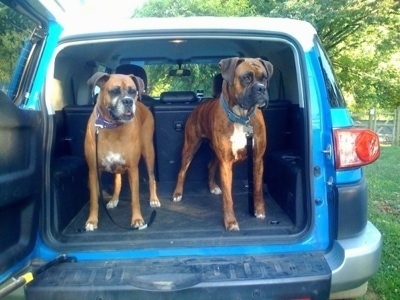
(354, 261)
(290, 276)
(348, 265)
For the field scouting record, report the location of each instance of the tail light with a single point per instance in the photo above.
(355, 147)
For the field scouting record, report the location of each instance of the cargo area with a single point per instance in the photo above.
(198, 218)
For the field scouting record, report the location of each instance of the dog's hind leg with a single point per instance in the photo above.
(190, 147)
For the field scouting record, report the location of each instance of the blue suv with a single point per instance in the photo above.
(316, 241)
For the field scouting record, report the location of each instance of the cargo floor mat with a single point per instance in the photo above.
(198, 215)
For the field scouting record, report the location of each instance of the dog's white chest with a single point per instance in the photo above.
(238, 139)
(112, 160)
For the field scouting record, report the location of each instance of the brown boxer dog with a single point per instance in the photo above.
(225, 121)
(125, 129)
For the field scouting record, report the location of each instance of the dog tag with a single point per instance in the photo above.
(248, 129)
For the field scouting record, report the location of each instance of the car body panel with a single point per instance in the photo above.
(21, 129)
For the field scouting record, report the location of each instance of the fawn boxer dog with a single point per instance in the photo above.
(225, 121)
(124, 129)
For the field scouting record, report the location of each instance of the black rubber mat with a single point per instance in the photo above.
(198, 215)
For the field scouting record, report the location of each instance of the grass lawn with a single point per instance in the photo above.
(383, 178)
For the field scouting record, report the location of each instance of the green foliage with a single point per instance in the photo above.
(187, 8)
(362, 39)
(14, 30)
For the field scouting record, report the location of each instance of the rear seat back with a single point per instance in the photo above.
(76, 118)
(170, 115)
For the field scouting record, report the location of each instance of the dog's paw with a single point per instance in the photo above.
(177, 197)
(260, 215)
(137, 223)
(112, 203)
(230, 222)
(155, 203)
(232, 226)
(216, 190)
(90, 226)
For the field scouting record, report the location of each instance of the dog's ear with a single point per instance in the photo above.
(268, 66)
(98, 79)
(139, 84)
(228, 67)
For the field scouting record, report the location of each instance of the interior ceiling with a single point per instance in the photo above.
(164, 51)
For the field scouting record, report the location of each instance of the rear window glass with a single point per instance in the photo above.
(188, 77)
(333, 91)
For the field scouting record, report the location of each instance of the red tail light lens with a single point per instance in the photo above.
(355, 147)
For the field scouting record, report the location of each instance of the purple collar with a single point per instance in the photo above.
(103, 123)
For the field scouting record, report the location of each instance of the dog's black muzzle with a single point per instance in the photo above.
(256, 96)
(261, 94)
(123, 111)
(128, 108)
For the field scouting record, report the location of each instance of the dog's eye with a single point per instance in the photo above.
(264, 78)
(248, 78)
(132, 91)
(115, 91)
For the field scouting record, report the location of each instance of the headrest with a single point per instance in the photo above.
(217, 85)
(178, 97)
(133, 69)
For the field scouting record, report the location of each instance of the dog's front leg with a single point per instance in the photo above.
(117, 190)
(212, 168)
(230, 222)
(92, 221)
(137, 219)
(259, 205)
(148, 155)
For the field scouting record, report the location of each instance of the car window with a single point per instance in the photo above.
(15, 44)
(335, 96)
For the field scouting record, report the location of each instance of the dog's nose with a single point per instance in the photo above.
(260, 88)
(127, 101)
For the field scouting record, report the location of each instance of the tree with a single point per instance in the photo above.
(362, 39)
